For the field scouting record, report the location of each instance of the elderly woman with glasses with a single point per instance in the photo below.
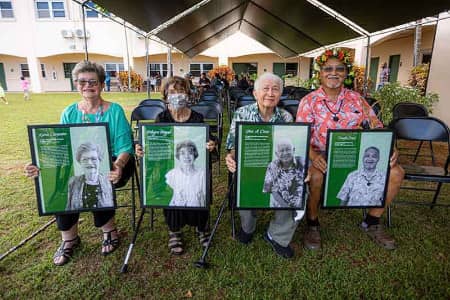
(92, 108)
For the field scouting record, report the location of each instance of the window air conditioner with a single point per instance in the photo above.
(80, 34)
(66, 33)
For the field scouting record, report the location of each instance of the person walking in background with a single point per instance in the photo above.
(108, 82)
(25, 84)
(384, 76)
(2, 95)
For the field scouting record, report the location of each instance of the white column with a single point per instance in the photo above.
(34, 66)
(169, 61)
(223, 60)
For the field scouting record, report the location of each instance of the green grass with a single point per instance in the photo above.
(349, 266)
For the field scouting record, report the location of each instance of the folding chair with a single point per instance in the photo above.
(286, 102)
(425, 129)
(410, 109)
(157, 102)
(130, 171)
(146, 113)
(212, 114)
(292, 109)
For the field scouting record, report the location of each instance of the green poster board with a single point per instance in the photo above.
(357, 168)
(175, 170)
(74, 162)
(272, 162)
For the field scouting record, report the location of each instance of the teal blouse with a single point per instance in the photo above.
(119, 129)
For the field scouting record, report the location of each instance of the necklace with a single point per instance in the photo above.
(335, 117)
(369, 180)
(98, 114)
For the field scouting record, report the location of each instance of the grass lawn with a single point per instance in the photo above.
(349, 266)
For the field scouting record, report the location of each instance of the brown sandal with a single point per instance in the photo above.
(109, 241)
(66, 252)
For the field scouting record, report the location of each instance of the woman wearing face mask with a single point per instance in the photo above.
(176, 93)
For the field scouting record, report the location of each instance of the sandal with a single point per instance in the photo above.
(109, 241)
(64, 252)
(175, 243)
(203, 238)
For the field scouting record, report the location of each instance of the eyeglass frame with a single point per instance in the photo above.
(329, 69)
(90, 82)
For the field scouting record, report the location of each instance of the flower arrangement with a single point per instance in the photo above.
(223, 71)
(341, 54)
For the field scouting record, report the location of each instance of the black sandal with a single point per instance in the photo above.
(175, 243)
(66, 253)
(108, 241)
(203, 238)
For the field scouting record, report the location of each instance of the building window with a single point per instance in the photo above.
(282, 69)
(24, 70)
(6, 11)
(43, 71)
(197, 69)
(159, 68)
(50, 9)
(245, 68)
(113, 69)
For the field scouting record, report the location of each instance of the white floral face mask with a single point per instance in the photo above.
(177, 100)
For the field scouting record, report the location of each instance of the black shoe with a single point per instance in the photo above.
(285, 252)
(244, 237)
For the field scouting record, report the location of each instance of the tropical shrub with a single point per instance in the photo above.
(393, 93)
(223, 71)
(136, 80)
(418, 77)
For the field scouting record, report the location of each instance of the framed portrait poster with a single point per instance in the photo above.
(272, 163)
(358, 168)
(74, 161)
(175, 168)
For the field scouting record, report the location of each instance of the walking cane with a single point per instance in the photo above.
(202, 263)
(124, 268)
(27, 239)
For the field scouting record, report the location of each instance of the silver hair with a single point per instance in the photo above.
(269, 76)
(285, 141)
(86, 147)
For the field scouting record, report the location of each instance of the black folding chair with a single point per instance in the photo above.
(292, 109)
(286, 102)
(212, 114)
(425, 129)
(157, 102)
(146, 113)
(410, 109)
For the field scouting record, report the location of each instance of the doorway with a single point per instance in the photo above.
(373, 72)
(394, 64)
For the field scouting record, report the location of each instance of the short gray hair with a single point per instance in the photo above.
(285, 141)
(85, 147)
(269, 76)
(86, 66)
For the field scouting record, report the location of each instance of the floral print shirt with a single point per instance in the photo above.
(287, 183)
(250, 113)
(363, 189)
(348, 112)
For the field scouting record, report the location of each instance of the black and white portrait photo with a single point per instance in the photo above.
(91, 189)
(365, 186)
(187, 181)
(284, 177)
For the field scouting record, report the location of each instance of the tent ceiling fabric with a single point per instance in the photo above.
(146, 14)
(377, 15)
(288, 27)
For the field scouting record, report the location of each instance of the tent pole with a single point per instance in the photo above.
(128, 57)
(83, 10)
(147, 70)
(366, 71)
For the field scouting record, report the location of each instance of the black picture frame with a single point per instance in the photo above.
(357, 168)
(62, 186)
(259, 182)
(164, 181)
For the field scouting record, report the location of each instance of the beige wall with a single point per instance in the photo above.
(404, 46)
(439, 79)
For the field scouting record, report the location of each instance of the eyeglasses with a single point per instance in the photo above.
(329, 69)
(92, 82)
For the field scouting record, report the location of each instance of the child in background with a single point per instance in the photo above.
(25, 87)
